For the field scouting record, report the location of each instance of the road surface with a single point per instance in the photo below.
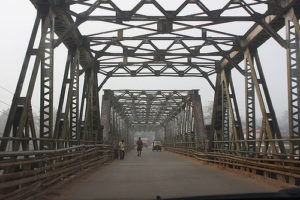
(158, 173)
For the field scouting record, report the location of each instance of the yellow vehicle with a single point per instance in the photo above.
(156, 145)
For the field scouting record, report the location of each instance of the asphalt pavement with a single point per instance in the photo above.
(158, 174)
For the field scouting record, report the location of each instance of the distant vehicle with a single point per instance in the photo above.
(156, 145)
(145, 144)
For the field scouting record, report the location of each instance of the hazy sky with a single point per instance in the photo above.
(16, 22)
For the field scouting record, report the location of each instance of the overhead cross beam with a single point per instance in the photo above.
(192, 40)
(144, 107)
(189, 34)
(154, 109)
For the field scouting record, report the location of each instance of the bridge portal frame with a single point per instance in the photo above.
(78, 125)
(86, 128)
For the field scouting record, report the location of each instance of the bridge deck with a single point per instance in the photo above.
(158, 173)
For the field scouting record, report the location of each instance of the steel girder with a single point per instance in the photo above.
(226, 124)
(293, 67)
(250, 108)
(66, 126)
(272, 130)
(46, 100)
(70, 128)
(185, 55)
(147, 107)
(113, 123)
(208, 52)
(20, 114)
(154, 109)
(187, 128)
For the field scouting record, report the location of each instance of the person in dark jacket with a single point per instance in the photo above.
(139, 144)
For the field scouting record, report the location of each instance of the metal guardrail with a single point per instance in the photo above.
(24, 173)
(33, 143)
(243, 152)
(284, 170)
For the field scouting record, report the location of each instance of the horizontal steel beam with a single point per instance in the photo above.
(148, 106)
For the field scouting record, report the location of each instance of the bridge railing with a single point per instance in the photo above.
(264, 164)
(33, 143)
(24, 173)
(260, 149)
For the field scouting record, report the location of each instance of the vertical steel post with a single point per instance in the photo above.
(63, 126)
(217, 114)
(59, 115)
(293, 73)
(237, 132)
(90, 100)
(106, 115)
(225, 123)
(46, 98)
(187, 122)
(88, 117)
(74, 110)
(201, 134)
(97, 130)
(250, 110)
(83, 103)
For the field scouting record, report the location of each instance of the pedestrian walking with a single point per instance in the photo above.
(139, 144)
(116, 149)
(122, 149)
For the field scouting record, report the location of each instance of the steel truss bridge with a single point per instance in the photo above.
(167, 42)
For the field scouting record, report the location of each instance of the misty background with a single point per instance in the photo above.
(16, 22)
